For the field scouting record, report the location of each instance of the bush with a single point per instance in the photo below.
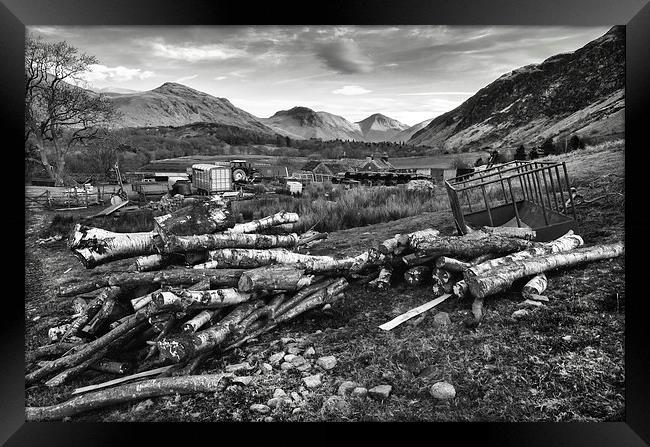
(520, 153)
(575, 143)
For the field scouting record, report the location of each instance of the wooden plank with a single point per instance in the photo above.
(110, 209)
(139, 375)
(413, 312)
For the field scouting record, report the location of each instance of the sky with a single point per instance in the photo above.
(409, 73)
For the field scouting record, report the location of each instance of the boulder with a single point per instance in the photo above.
(312, 381)
(327, 362)
(442, 391)
(260, 408)
(380, 391)
(347, 387)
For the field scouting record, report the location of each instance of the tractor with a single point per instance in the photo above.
(243, 172)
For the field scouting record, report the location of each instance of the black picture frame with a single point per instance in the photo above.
(635, 14)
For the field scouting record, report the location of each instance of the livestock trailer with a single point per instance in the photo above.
(524, 194)
(209, 179)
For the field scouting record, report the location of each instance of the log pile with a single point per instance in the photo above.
(165, 311)
(201, 285)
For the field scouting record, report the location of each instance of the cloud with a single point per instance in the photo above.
(437, 93)
(196, 53)
(349, 90)
(186, 78)
(220, 78)
(99, 72)
(344, 56)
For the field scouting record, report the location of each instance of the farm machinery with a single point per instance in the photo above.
(523, 194)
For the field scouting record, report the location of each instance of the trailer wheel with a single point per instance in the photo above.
(239, 175)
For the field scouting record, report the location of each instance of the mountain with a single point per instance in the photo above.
(379, 127)
(174, 104)
(580, 92)
(406, 134)
(304, 123)
(112, 91)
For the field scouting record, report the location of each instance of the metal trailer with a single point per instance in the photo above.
(520, 194)
(209, 179)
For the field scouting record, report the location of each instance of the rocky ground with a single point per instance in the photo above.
(559, 362)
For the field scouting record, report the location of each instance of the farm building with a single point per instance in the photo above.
(424, 166)
(320, 171)
(376, 163)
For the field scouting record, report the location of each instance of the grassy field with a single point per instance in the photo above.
(563, 362)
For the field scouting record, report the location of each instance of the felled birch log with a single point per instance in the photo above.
(75, 370)
(251, 258)
(211, 299)
(401, 242)
(500, 279)
(523, 233)
(125, 393)
(175, 277)
(416, 276)
(54, 349)
(107, 295)
(383, 280)
(311, 236)
(184, 346)
(460, 289)
(451, 264)
(200, 218)
(228, 240)
(199, 320)
(413, 259)
(274, 278)
(152, 262)
(89, 349)
(470, 248)
(536, 286)
(111, 367)
(94, 246)
(563, 244)
(280, 218)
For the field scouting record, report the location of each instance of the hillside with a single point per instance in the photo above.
(379, 127)
(174, 104)
(304, 123)
(572, 93)
(406, 134)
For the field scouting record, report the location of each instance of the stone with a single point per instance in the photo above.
(521, 313)
(442, 391)
(336, 406)
(279, 392)
(327, 362)
(380, 391)
(275, 402)
(566, 338)
(347, 387)
(312, 381)
(276, 358)
(295, 396)
(441, 319)
(286, 340)
(360, 392)
(266, 368)
(309, 351)
(242, 380)
(237, 367)
(142, 406)
(269, 419)
(260, 408)
(289, 357)
(286, 366)
(318, 332)
(297, 410)
(293, 349)
(298, 360)
(304, 367)
(327, 306)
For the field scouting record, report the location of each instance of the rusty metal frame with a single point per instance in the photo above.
(532, 188)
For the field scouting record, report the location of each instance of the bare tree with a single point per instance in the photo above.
(59, 114)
